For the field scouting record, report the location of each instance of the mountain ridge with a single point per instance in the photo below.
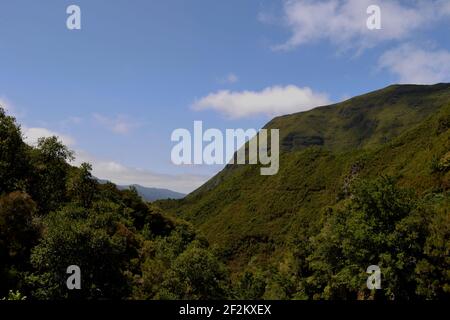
(148, 193)
(391, 131)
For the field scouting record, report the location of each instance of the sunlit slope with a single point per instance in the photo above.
(399, 131)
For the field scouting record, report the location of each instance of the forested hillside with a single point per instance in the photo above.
(53, 215)
(364, 182)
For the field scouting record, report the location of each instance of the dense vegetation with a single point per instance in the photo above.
(365, 182)
(53, 215)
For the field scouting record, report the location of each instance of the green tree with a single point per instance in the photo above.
(50, 172)
(18, 234)
(380, 225)
(99, 241)
(138, 210)
(13, 158)
(251, 285)
(169, 238)
(82, 186)
(196, 274)
(433, 270)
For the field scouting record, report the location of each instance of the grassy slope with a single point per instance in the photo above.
(394, 131)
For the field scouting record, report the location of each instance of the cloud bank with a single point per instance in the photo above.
(116, 172)
(124, 175)
(343, 22)
(415, 65)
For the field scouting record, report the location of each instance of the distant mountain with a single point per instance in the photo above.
(150, 194)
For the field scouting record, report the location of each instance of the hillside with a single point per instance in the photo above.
(361, 183)
(399, 131)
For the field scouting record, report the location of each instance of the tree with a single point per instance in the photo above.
(50, 172)
(96, 240)
(251, 285)
(82, 186)
(432, 271)
(196, 274)
(380, 225)
(52, 150)
(13, 158)
(139, 210)
(18, 234)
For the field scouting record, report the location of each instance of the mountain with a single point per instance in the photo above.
(363, 186)
(150, 194)
(399, 131)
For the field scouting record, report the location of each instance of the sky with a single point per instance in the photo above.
(116, 89)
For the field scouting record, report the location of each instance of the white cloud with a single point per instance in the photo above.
(119, 124)
(271, 101)
(123, 175)
(343, 22)
(416, 65)
(31, 136)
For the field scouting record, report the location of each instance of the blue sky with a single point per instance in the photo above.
(116, 89)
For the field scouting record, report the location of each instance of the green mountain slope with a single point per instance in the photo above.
(399, 131)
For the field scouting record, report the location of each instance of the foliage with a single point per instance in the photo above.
(13, 166)
(195, 274)
(381, 225)
(362, 182)
(14, 295)
(19, 232)
(396, 132)
(96, 240)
